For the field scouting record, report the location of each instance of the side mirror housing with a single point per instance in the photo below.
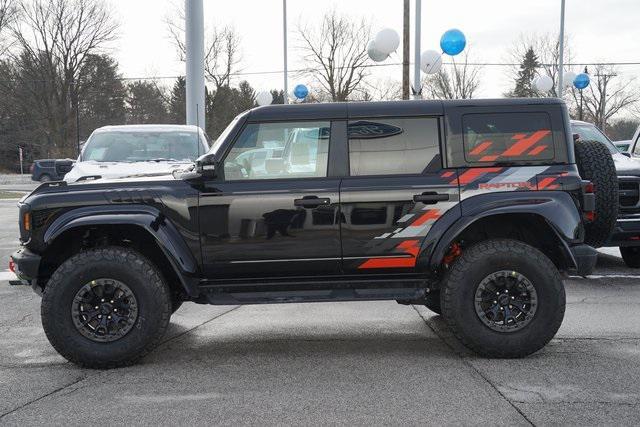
(626, 153)
(207, 165)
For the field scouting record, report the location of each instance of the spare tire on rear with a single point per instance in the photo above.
(596, 165)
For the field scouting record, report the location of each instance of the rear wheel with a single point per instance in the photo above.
(105, 308)
(596, 165)
(503, 298)
(631, 256)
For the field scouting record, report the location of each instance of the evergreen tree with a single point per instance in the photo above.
(524, 83)
(101, 95)
(178, 102)
(146, 103)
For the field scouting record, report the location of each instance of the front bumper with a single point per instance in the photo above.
(626, 231)
(26, 264)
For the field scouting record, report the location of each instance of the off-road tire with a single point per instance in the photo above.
(139, 274)
(631, 256)
(596, 165)
(432, 302)
(176, 302)
(478, 262)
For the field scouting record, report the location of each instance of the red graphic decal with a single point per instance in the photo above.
(488, 158)
(525, 143)
(430, 214)
(547, 183)
(472, 174)
(507, 185)
(410, 247)
(447, 174)
(539, 149)
(480, 148)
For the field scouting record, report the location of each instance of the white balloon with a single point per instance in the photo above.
(568, 79)
(431, 61)
(387, 41)
(543, 83)
(374, 53)
(264, 98)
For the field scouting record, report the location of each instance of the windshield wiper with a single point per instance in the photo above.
(160, 159)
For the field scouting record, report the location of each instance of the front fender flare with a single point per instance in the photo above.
(557, 208)
(150, 219)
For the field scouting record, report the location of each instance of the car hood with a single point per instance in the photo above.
(626, 166)
(114, 170)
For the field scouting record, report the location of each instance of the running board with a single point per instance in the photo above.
(216, 297)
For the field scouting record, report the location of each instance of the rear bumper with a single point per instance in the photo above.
(26, 264)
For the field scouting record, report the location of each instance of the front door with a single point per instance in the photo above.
(395, 192)
(273, 212)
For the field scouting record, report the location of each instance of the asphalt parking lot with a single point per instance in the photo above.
(338, 363)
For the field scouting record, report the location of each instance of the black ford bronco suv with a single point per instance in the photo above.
(473, 208)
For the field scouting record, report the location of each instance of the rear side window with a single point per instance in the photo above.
(490, 138)
(394, 146)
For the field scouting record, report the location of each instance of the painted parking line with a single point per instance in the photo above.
(7, 275)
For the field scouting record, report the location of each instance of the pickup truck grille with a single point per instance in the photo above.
(629, 193)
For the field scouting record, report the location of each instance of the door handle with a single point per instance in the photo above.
(431, 197)
(312, 201)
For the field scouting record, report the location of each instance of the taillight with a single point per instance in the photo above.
(590, 187)
(12, 265)
(590, 216)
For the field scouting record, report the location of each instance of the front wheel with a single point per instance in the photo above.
(105, 308)
(631, 256)
(503, 298)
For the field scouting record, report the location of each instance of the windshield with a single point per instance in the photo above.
(134, 146)
(592, 133)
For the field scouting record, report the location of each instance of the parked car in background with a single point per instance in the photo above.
(623, 146)
(626, 233)
(44, 170)
(122, 151)
(634, 144)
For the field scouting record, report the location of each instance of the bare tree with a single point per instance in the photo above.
(222, 55)
(336, 54)
(8, 14)
(607, 95)
(382, 90)
(547, 50)
(460, 82)
(55, 38)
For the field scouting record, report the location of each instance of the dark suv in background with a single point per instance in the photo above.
(473, 208)
(45, 170)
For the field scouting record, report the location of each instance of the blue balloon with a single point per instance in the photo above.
(300, 91)
(581, 81)
(453, 42)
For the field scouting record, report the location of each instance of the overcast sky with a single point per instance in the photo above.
(599, 31)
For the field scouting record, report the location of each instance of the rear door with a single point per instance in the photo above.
(396, 190)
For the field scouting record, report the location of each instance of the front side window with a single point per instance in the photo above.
(279, 151)
(392, 146)
(504, 137)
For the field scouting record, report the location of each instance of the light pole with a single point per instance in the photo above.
(284, 38)
(417, 87)
(561, 53)
(194, 32)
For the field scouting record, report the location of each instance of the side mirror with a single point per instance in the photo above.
(626, 153)
(576, 136)
(206, 166)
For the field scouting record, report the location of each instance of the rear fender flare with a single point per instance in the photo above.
(556, 208)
